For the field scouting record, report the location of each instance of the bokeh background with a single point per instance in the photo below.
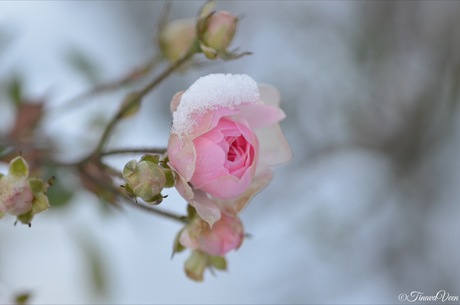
(367, 209)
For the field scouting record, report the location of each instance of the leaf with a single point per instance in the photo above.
(83, 64)
(2, 214)
(22, 298)
(60, 194)
(18, 167)
(15, 91)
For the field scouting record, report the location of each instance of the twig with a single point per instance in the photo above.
(150, 150)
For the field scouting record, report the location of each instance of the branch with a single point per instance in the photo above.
(158, 151)
(140, 94)
(156, 211)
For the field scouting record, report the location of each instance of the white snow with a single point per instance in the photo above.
(211, 92)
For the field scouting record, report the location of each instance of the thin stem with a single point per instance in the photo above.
(139, 95)
(133, 76)
(158, 212)
(150, 150)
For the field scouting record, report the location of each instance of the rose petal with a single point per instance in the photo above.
(182, 156)
(209, 164)
(228, 187)
(269, 95)
(259, 115)
(176, 101)
(236, 206)
(273, 147)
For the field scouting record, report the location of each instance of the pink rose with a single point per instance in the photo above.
(225, 235)
(224, 139)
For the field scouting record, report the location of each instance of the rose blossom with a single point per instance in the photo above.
(224, 139)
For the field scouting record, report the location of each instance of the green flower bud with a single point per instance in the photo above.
(20, 195)
(176, 38)
(219, 30)
(145, 179)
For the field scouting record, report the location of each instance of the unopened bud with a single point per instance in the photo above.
(219, 31)
(20, 195)
(145, 179)
(176, 38)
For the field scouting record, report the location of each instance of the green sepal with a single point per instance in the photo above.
(150, 158)
(218, 262)
(26, 218)
(37, 185)
(18, 167)
(177, 246)
(195, 265)
(40, 203)
(157, 199)
(170, 178)
(129, 169)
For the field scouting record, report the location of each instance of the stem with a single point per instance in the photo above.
(140, 95)
(158, 212)
(158, 151)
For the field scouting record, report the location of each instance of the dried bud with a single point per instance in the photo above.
(145, 179)
(176, 38)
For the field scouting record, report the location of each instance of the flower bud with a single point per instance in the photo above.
(225, 235)
(219, 31)
(145, 179)
(20, 195)
(176, 38)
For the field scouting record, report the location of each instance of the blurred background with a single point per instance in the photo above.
(367, 209)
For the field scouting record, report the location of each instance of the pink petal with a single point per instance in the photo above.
(182, 155)
(259, 115)
(269, 95)
(210, 159)
(273, 147)
(258, 183)
(176, 100)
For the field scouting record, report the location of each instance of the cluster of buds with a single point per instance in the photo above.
(209, 244)
(147, 178)
(20, 195)
(212, 33)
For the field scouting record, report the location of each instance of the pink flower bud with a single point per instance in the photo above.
(219, 31)
(176, 38)
(225, 235)
(16, 196)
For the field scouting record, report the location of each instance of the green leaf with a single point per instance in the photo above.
(2, 214)
(219, 262)
(60, 194)
(83, 64)
(26, 218)
(151, 158)
(22, 298)
(4, 151)
(15, 91)
(18, 167)
(177, 246)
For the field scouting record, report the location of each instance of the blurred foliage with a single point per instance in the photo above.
(84, 64)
